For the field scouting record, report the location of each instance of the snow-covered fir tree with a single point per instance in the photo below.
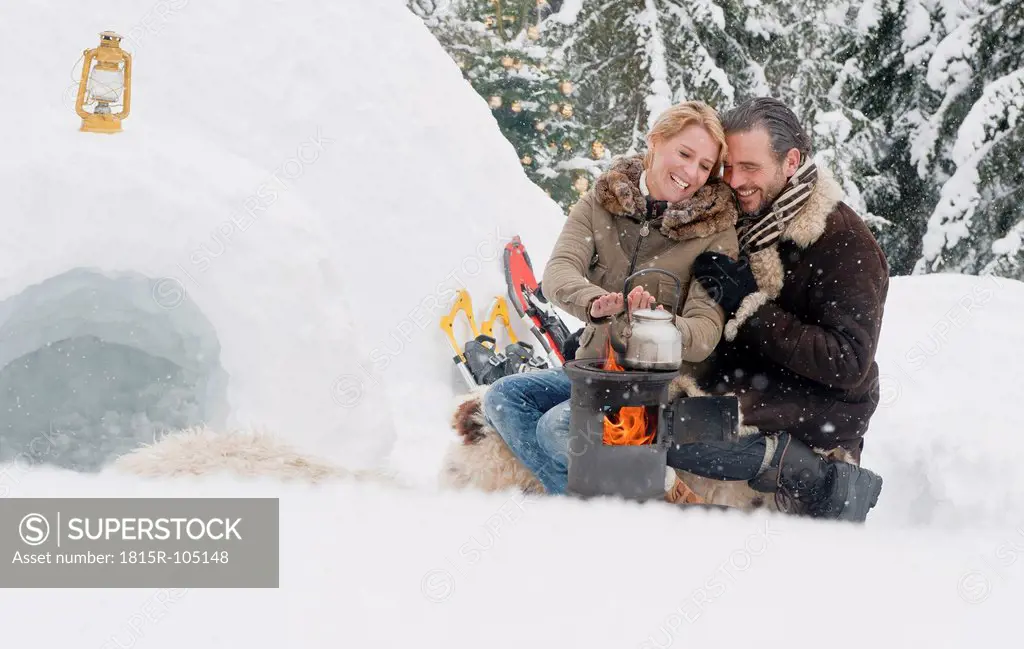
(886, 83)
(635, 58)
(914, 104)
(973, 144)
(497, 44)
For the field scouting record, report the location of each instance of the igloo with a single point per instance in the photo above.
(269, 243)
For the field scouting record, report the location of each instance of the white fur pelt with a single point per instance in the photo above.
(202, 451)
(479, 458)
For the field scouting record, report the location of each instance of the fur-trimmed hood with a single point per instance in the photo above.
(712, 209)
(804, 230)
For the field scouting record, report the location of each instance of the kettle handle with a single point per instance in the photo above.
(625, 288)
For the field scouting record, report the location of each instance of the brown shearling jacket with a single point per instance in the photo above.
(800, 352)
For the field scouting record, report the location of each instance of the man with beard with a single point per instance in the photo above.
(804, 306)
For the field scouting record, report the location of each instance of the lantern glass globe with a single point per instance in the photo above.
(106, 85)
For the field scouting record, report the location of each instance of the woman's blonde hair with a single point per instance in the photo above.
(677, 118)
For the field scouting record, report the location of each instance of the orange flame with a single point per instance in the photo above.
(630, 426)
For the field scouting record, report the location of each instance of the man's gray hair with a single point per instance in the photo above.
(782, 125)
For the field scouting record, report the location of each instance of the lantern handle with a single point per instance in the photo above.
(127, 86)
(87, 57)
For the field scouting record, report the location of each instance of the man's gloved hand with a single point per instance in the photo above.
(725, 280)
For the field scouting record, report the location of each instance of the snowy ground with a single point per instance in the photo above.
(318, 320)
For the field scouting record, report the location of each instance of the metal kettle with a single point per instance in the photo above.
(650, 339)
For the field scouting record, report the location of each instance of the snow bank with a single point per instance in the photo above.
(295, 217)
(946, 434)
(363, 565)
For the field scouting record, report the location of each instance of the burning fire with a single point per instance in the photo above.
(629, 427)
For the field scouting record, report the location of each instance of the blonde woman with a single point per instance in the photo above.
(661, 209)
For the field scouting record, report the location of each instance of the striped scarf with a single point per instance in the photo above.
(757, 233)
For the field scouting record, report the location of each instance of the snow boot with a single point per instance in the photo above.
(486, 365)
(520, 358)
(808, 484)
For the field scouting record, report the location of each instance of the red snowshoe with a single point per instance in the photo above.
(537, 313)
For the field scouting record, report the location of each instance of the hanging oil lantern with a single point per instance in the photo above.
(105, 86)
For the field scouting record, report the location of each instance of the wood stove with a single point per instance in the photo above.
(622, 424)
(619, 435)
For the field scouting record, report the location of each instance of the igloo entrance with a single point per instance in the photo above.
(92, 365)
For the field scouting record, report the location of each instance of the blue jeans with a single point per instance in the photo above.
(531, 413)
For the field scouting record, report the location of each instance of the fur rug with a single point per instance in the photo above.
(202, 451)
(480, 459)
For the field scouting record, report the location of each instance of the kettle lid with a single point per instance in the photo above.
(653, 315)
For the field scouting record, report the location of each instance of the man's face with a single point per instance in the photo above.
(754, 172)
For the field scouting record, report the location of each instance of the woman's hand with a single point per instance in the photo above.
(611, 303)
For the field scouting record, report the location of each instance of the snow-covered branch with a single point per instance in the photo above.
(994, 115)
(659, 96)
(998, 110)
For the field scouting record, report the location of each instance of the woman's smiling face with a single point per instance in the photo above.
(681, 164)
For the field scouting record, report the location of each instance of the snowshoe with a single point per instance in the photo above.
(537, 313)
(478, 360)
(519, 356)
(463, 303)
